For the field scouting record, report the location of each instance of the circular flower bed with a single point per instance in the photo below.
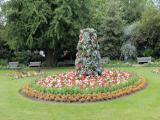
(68, 87)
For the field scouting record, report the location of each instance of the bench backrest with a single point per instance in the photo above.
(35, 64)
(13, 64)
(144, 59)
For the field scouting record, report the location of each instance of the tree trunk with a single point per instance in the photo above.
(50, 58)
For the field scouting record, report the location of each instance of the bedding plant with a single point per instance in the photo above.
(157, 71)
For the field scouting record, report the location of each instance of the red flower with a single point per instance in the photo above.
(80, 37)
(78, 66)
(83, 77)
(71, 79)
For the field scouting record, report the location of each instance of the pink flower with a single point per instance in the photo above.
(71, 80)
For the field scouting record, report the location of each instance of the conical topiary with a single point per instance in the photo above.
(88, 56)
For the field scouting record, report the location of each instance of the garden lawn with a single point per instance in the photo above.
(142, 105)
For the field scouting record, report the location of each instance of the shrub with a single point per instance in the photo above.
(24, 57)
(129, 50)
(3, 62)
(148, 32)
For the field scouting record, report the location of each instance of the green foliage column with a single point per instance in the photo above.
(88, 56)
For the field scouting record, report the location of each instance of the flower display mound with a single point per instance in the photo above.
(68, 87)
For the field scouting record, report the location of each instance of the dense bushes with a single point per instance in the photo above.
(111, 31)
(25, 57)
(148, 32)
(3, 63)
(134, 34)
(4, 49)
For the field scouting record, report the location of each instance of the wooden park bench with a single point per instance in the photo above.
(143, 59)
(66, 63)
(35, 64)
(13, 65)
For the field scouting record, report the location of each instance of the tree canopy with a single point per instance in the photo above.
(112, 31)
(147, 35)
(53, 25)
(45, 24)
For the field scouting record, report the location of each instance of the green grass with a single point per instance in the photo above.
(143, 105)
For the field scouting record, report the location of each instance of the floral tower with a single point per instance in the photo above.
(88, 56)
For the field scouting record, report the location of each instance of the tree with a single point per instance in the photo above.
(148, 32)
(45, 24)
(4, 52)
(112, 31)
(97, 12)
(132, 9)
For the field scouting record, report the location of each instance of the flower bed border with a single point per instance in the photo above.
(25, 74)
(33, 94)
